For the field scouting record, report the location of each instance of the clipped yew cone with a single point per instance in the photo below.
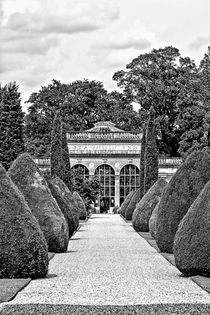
(192, 239)
(27, 176)
(126, 203)
(81, 205)
(146, 205)
(23, 248)
(152, 221)
(132, 205)
(182, 190)
(55, 191)
(68, 199)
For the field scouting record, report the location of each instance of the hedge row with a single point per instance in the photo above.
(36, 216)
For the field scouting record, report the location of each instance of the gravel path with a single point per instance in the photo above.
(108, 263)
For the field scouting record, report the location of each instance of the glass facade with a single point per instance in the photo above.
(129, 180)
(106, 176)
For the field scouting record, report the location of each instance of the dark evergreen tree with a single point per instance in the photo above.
(142, 163)
(151, 153)
(11, 124)
(66, 175)
(60, 164)
(56, 148)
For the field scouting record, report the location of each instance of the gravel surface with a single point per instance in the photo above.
(108, 263)
(158, 309)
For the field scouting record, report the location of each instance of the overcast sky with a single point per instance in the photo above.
(76, 39)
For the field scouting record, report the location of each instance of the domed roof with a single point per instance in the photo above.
(104, 126)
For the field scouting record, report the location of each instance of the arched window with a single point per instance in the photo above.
(106, 176)
(80, 169)
(129, 180)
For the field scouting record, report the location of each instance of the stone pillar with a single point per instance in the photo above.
(117, 190)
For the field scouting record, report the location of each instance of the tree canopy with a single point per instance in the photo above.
(81, 104)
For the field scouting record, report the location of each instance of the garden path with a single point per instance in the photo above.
(108, 263)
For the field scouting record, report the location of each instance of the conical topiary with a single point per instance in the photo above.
(182, 190)
(152, 221)
(23, 248)
(81, 205)
(126, 203)
(27, 176)
(55, 191)
(132, 205)
(192, 240)
(146, 205)
(68, 198)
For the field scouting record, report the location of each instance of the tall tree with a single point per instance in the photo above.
(11, 124)
(156, 79)
(60, 163)
(151, 153)
(142, 162)
(193, 121)
(66, 176)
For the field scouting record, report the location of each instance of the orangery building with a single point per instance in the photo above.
(114, 156)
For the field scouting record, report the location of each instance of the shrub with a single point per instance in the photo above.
(63, 205)
(27, 176)
(126, 203)
(81, 205)
(146, 205)
(132, 204)
(152, 221)
(23, 248)
(192, 240)
(177, 198)
(68, 198)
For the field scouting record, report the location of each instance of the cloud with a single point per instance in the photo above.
(78, 17)
(199, 42)
(25, 44)
(126, 43)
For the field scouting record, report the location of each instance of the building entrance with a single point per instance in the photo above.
(106, 197)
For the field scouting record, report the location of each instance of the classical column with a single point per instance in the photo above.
(117, 190)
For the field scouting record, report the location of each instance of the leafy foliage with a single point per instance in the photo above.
(87, 188)
(11, 124)
(80, 104)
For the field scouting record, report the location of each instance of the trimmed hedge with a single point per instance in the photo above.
(192, 240)
(132, 204)
(182, 190)
(126, 203)
(81, 205)
(23, 248)
(27, 176)
(146, 205)
(152, 220)
(63, 205)
(68, 198)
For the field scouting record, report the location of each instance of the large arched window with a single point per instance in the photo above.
(129, 180)
(106, 176)
(80, 169)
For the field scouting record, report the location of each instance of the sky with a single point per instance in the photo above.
(70, 40)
